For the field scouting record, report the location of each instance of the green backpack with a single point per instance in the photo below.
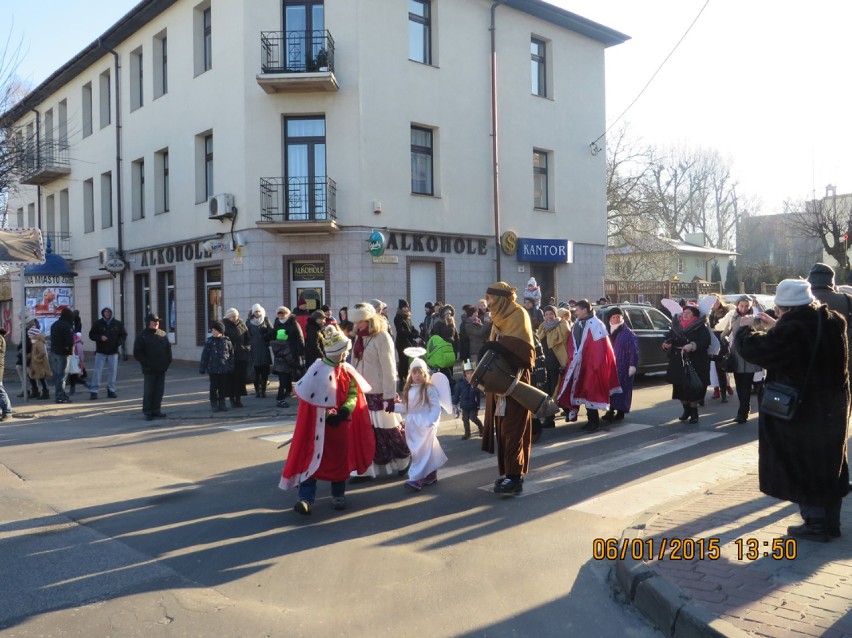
(439, 353)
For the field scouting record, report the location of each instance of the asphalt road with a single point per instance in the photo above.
(111, 527)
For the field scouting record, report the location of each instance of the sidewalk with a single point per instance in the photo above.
(733, 595)
(186, 398)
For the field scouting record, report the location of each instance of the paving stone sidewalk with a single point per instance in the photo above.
(732, 592)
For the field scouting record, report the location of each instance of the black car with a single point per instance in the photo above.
(650, 326)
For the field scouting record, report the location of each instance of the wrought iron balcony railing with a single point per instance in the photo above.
(41, 162)
(298, 199)
(296, 51)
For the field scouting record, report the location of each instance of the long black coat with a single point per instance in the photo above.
(699, 334)
(804, 460)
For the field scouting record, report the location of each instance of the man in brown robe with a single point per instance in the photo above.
(507, 422)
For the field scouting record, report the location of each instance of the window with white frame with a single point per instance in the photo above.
(64, 214)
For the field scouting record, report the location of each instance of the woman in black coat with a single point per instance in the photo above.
(237, 332)
(406, 336)
(803, 460)
(688, 339)
(286, 364)
(313, 340)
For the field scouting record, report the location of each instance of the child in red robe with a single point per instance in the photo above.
(333, 434)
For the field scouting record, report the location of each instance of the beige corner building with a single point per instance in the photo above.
(201, 156)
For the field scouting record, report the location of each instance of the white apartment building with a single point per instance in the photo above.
(225, 153)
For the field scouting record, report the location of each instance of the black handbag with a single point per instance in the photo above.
(691, 381)
(781, 400)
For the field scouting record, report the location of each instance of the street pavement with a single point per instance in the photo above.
(150, 574)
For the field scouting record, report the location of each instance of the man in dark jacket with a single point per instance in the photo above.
(406, 336)
(109, 335)
(821, 279)
(154, 353)
(61, 348)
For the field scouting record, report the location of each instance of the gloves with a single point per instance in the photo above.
(338, 417)
(455, 411)
(631, 371)
(389, 406)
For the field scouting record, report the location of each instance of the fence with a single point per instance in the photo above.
(653, 291)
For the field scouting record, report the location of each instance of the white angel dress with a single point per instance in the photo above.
(421, 426)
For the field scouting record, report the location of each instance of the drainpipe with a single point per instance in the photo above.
(119, 220)
(494, 145)
(38, 165)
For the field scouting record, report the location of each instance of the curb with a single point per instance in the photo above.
(663, 604)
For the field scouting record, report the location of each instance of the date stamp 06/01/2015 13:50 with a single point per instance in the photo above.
(691, 548)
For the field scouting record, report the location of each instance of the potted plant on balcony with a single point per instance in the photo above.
(321, 62)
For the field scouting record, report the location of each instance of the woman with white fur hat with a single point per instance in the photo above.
(373, 357)
(803, 459)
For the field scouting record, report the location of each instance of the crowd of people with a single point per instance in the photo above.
(371, 388)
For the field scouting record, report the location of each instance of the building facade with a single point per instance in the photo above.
(201, 156)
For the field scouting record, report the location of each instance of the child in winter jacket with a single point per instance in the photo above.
(533, 292)
(217, 360)
(467, 396)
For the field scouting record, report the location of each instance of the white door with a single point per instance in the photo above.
(424, 287)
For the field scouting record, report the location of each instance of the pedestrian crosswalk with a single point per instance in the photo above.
(551, 472)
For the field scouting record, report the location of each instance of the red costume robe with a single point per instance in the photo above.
(328, 453)
(591, 376)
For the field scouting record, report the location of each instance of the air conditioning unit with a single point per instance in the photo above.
(221, 206)
(105, 254)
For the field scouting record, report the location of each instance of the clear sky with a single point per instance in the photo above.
(764, 82)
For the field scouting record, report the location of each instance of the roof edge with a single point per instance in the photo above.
(564, 18)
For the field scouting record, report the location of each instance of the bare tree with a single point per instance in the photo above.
(828, 219)
(12, 89)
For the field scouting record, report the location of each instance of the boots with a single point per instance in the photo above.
(222, 406)
(263, 385)
(215, 406)
(716, 393)
(619, 415)
(45, 394)
(686, 413)
(609, 416)
(725, 393)
(693, 415)
(256, 391)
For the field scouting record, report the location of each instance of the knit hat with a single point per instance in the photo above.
(821, 275)
(794, 292)
(549, 308)
(301, 302)
(335, 343)
(378, 304)
(218, 326)
(362, 312)
(429, 305)
(532, 282)
(257, 307)
(317, 315)
(403, 303)
(152, 316)
(232, 313)
(283, 309)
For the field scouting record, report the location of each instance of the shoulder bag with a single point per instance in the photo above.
(781, 400)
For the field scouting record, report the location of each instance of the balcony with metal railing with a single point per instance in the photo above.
(298, 204)
(297, 62)
(44, 161)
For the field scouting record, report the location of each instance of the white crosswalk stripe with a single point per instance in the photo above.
(626, 501)
(629, 501)
(568, 472)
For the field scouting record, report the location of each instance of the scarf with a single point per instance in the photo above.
(358, 348)
(685, 323)
(509, 318)
(550, 325)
